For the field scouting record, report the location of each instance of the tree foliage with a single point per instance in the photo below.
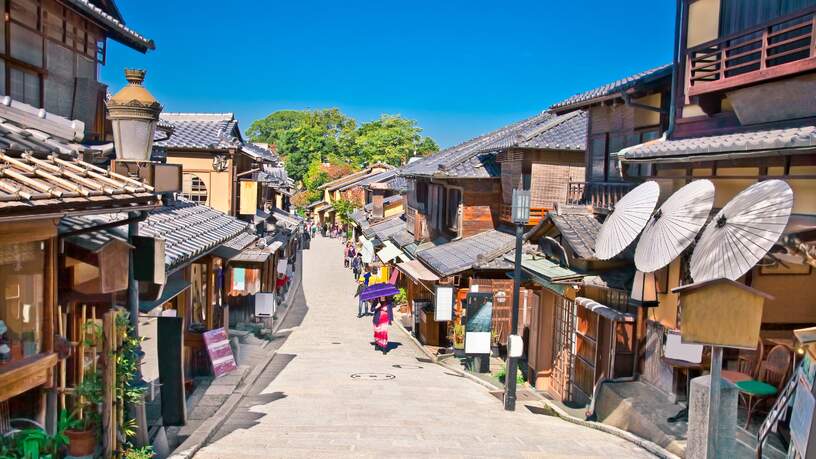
(344, 209)
(308, 137)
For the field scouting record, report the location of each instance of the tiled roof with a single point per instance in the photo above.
(384, 229)
(740, 144)
(614, 88)
(115, 28)
(201, 131)
(476, 158)
(258, 153)
(402, 238)
(579, 228)
(190, 230)
(457, 256)
(352, 178)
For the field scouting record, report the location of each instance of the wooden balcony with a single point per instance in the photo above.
(536, 214)
(602, 196)
(782, 47)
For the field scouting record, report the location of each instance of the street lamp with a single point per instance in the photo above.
(644, 290)
(134, 114)
(520, 211)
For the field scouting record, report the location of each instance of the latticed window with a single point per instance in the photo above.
(194, 189)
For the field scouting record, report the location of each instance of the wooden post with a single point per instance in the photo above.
(81, 352)
(108, 384)
(714, 401)
(62, 363)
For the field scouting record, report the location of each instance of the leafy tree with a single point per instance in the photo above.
(344, 209)
(391, 139)
(275, 128)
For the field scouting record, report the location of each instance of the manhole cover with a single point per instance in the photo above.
(407, 367)
(372, 376)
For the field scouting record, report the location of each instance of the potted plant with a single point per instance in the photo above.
(83, 433)
(494, 343)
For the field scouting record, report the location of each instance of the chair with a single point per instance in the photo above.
(771, 377)
(748, 363)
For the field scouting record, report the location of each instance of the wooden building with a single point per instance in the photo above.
(220, 169)
(741, 115)
(41, 183)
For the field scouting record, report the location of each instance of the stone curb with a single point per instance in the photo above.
(203, 433)
(649, 446)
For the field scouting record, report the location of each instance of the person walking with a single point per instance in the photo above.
(382, 319)
(347, 255)
(362, 306)
(357, 265)
(314, 230)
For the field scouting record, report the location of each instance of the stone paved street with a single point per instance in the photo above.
(309, 405)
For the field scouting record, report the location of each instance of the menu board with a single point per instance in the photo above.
(479, 314)
(444, 304)
(220, 352)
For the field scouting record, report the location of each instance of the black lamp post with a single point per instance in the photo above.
(521, 215)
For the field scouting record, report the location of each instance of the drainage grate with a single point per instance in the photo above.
(407, 367)
(372, 376)
(336, 342)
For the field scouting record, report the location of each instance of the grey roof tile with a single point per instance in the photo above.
(201, 131)
(614, 87)
(384, 229)
(476, 158)
(402, 238)
(189, 230)
(457, 256)
(750, 143)
(579, 228)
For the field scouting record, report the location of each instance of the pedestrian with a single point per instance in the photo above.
(382, 319)
(362, 306)
(314, 230)
(357, 265)
(347, 255)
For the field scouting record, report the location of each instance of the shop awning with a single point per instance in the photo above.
(604, 311)
(171, 290)
(255, 255)
(368, 249)
(390, 252)
(417, 271)
(546, 273)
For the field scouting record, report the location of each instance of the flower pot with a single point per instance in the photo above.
(81, 442)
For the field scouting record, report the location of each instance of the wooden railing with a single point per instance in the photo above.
(536, 214)
(600, 195)
(784, 46)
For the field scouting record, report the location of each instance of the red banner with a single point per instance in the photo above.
(220, 352)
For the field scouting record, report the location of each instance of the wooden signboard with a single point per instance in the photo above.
(721, 312)
(220, 352)
(171, 371)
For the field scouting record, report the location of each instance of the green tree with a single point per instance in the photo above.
(391, 139)
(344, 209)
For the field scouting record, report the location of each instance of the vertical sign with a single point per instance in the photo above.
(479, 313)
(443, 304)
(249, 198)
(220, 352)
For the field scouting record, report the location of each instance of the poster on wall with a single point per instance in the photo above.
(283, 265)
(220, 352)
(443, 311)
(478, 324)
(802, 418)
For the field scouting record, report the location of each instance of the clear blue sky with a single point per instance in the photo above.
(460, 68)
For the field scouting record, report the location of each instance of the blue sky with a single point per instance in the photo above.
(460, 68)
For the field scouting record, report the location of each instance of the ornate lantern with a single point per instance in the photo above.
(134, 114)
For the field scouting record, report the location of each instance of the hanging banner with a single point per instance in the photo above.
(220, 352)
(368, 250)
(444, 304)
(478, 313)
(283, 265)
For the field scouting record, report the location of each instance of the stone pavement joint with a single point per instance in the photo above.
(312, 407)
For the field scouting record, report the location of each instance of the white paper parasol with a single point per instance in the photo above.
(627, 220)
(742, 232)
(674, 226)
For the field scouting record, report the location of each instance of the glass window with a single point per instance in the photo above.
(22, 278)
(597, 158)
(194, 189)
(25, 86)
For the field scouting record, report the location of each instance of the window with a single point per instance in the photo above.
(645, 135)
(454, 199)
(194, 189)
(597, 157)
(739, 15)
(22, 279)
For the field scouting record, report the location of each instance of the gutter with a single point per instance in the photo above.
(678, 19)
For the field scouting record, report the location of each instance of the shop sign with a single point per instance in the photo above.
(220, 352)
